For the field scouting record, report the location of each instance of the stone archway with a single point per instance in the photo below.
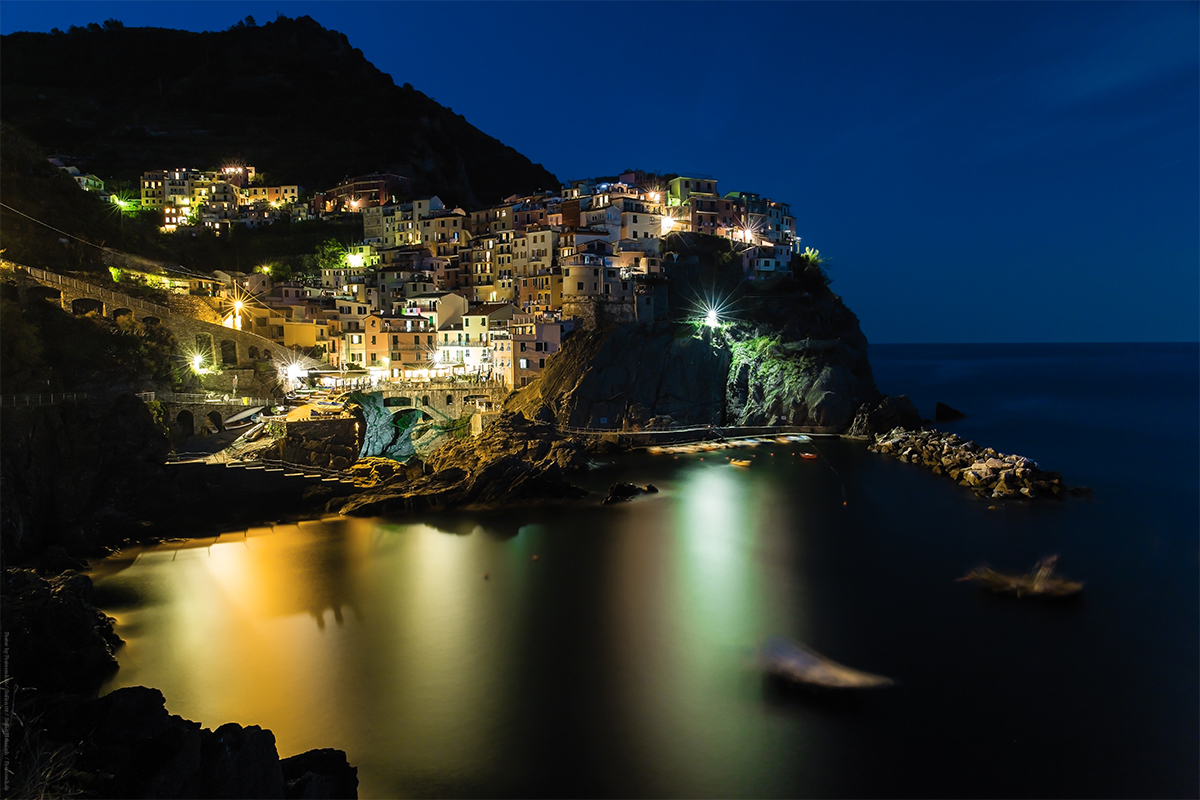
(151, 321)
(229, 357)
(45, 293)
(117, 313)
(186, 424)
(87, 305)
(214, 418)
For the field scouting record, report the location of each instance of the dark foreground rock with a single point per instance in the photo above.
(127, 745)
(989, 473)
(621, 491)
(944, 413)
(873, 419)
(55, 639)
(65, 742)
(514, 461)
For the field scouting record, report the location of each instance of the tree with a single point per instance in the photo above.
(809, 268)
(330, 255)
(113, 24)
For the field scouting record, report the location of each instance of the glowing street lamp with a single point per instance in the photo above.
(197, 361)
(710, 318)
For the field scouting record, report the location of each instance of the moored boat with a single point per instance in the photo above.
(789, 659)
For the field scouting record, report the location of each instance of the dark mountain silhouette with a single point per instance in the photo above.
(291, 98)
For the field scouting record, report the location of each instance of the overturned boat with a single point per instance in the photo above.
(1041, 582)
(789, 659)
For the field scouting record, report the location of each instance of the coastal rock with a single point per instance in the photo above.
(515, 460)
(80, 475)
(889, 413)
(944, 413)
(127, 745)
(55, 639)
(624, 376)
(788, 360)
(621, 491)
(319, 775)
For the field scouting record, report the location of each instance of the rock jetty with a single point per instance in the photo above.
(989, 473)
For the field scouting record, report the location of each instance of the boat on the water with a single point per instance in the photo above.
(808, 455)
(1041, 582)
(740, 462)
(793, 661)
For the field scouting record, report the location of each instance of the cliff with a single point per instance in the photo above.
(793, 358)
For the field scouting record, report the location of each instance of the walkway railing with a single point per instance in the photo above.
(698, 432)
(232, 400)
(42, 399)
(111, 297)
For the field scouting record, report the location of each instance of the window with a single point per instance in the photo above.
(579, 286)
(542, 363)
(416, 339)
(524, 362)
(372, 338)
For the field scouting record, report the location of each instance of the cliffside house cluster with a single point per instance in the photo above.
(434, 290)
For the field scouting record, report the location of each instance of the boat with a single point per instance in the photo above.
(788, 659)
(808, 455)
(243, 419)
(255, 432)
(1041, 582)
(740, 462)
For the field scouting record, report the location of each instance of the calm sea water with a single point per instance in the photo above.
(619, 663)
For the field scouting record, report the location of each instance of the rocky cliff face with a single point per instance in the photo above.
(80, 475)
(796, 359)
(514, 461)
(630, 375)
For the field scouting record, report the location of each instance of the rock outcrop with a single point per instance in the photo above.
(873, 419)
(628, 375)
(55, 639)
(789, 358)
(80, 475)
(989, 473)
(127, 745)
(58, 650)
(945, 413)
(514, 460)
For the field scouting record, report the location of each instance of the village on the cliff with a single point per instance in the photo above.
(434, 292)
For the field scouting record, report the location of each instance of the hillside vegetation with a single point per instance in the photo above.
(289, 97)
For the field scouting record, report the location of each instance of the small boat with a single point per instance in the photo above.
(808, 455)
(1041, 582)
(243, 419)
(740, 462)
(255, 432)
(789, 659)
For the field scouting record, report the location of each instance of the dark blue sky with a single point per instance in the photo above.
(976, 172)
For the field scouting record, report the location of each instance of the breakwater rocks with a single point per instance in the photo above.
(514, 460)
(989, 473)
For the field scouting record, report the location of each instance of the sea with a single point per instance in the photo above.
(612, 650)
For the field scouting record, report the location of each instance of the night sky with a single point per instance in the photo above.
(975, 172)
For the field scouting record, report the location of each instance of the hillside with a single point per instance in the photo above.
(291, 98)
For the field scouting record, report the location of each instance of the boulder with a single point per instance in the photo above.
(55, 639)
(944, 413)
(890, 413)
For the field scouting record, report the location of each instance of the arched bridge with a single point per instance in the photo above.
(450, 399)
(215, 344)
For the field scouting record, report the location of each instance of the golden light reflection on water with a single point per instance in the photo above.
(387, 641)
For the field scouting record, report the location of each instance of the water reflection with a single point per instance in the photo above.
(621, 662)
